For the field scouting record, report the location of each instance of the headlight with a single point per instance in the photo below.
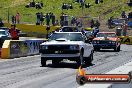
(112, 42)
(74, 47)
(44, 47)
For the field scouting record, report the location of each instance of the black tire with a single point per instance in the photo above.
(88, 60)
(96, 49)
(80, 60)
(55, 62)
(43, 61)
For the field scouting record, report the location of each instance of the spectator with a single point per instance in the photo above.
(125, 27)
(65, 20)
(1, 23)
(123, 14)
(92, 23)
(95, 31)
(38, 5)
(56, 22)
(82, 2)
(13, 32)
(13, 19)
(110, 22)
(41, 18)
(41, 3)
(18, 18)
(53, 19)
(97, 24)
(62, 19)
(47, 19)
(38, 18)
(73, 20)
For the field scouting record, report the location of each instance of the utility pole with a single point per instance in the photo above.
(8, 15)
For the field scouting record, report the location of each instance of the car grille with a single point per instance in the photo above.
(58, 47)
(59, 51)
(103, 42)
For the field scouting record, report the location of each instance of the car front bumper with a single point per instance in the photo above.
(60, 56)
(104, 46)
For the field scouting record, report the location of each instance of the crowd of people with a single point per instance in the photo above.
(38, 5)
(16, 18)
(49, 17)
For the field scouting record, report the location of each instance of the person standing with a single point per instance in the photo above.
(47, 19)
(18, 18)
(53, 19)
(125, 28)
(13, 19)
(92, 23)
(97, 24)
(13, 32)
(41, 18)
(38, 18)
(62, 19)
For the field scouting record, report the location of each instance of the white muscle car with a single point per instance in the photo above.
(66, 45)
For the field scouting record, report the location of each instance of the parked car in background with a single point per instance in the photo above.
(69, 29)
(20, 33)
(118, 22)
(106, 40)
(4, 35)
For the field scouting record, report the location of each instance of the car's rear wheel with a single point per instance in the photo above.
(43, 61)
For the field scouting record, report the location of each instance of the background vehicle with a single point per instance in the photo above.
(106, 40)
(69, 29)
(89, 35)
(117, 22)
(20, 33)
(66, 45)
(4, 35)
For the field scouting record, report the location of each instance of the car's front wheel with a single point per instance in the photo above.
(43, 61)
(80, 59)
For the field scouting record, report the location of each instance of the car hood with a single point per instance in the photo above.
(63, 42)
(108, 38)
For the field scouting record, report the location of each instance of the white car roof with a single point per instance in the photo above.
(68, 32)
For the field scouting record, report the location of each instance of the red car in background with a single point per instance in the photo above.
(106, 40)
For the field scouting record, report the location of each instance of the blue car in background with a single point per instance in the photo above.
(129, 25)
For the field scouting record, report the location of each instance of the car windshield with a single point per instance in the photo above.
(68, 36)
(88, 33)
(106, 35)
(118, 21)
(2, 33)
(69, 29)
